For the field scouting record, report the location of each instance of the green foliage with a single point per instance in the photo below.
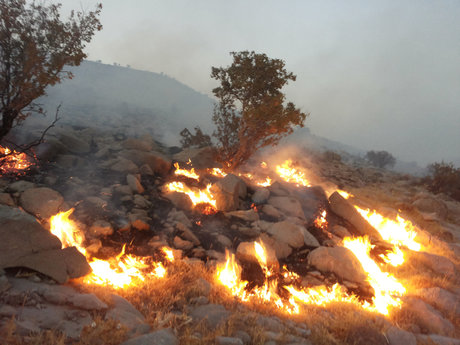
(250, 112)
(35, 45)
(445, 178)
(380, 159)
(199, 139)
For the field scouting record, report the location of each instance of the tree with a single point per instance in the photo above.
(198, 140)
(250, 112)
(35, 46)
(380, 159)
(445, 178)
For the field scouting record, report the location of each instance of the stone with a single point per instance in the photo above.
(212, 314)
(397, 336)
(261, 195)
(4, 283)
(365, 335)
(141, 202)
(341, 207)
(282, 250)
(137, 144)
(74, 144)
(187, 233)
(87, 301)
(228, 341)
(431, 205)
(139, 222)
(227, 192)
(101, 228)
(437, 339)
(42, 202)
(7, 311)
(293, 235)
(340, 261)
(271, 211)
(182, 244)
(246, 252)
(25, 243)
(441, 299)
(6, 199)
(145, 169)
(125, 313)
(224, 240)
(287, 205)
(124, 165)
(161, 337)
(159, 163)
(247, 215)
(427, 317)
(179, 216)
(179, 200)
(20, 186)
(340, 231)
(201, 158)
(134, 184)
(437, 263)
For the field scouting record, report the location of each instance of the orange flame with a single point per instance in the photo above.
(217, 172)
(12, 161)
(290, 174)
(197, 196)
(344, 194)
(187, 173)
(265, 183)
(320, 221)
(121, 271)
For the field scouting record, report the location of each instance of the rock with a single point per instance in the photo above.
(159, 163)
(341, 207)
(74, 144)
(4, 283)
(340, 261)
(431, 205)
(427, 317)
(213, 314)
(125, 313)
(101, 228)
(134, 184)
(261, 195)
(179, 216)
(179, 200)
(441, 299)
(124, 165)
(138, 144)
(42, 202)
(20, 186)
(365, 335)
(181, 244)
(289, 206)
(25, 243)
(201, 158)
(437, 339)
(187, 233)
(291, 234)
(161, 337)
(7, 311)
(271, 211)
(397, 336)
(228, 341)
(139, 222)
(340, 231)
(6, 199)
(246, 252)
(87, 301)
(227, 192)
(282, 250)
(122, 190)
(247, 215)
(224, 241)
(141, 202)
(437, 263)
(146, 170)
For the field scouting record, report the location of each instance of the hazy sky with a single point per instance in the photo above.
(379, 75)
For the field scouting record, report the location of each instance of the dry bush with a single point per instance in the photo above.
(331, 156)
(103, 332)
(9, 337)
(445, 178)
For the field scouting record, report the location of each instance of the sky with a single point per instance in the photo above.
(377, 75)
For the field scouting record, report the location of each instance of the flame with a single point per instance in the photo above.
(399, 232)
(217, 172)
(263, 165)
(321, 295)
(344, 194)
(197, 196)
(187, 173)
(386, 288)
(13, 161)
(265, 183)
(320, 221)
(290, 174)
(168, 253)
(121, 271)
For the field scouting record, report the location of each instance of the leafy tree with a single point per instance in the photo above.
(250, 112)
(444, 178)
(199, 139)
(380, 159)
(35, 46)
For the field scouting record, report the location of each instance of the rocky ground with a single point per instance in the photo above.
(116, 184)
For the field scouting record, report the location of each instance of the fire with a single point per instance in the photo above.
(168, 253)
(265, 183)
(197, 196)
(321, 295)
(290, 174)
(121, 271)
(12, 161)
(399, 232)
(263, 165)
(320, 221)
(386, 288)
(187, 173)
(344, 194)
(217, 172)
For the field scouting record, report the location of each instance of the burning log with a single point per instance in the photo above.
(341, 207)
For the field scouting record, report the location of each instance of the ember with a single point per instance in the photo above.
(12, 161)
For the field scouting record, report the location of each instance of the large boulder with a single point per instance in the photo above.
(42, 202)
(431, 205)
(227, 192)
(158, 162)
(341, 207)
(25, 243)
(287, 205)
(340, 261)
(246, 252)
(292, 234)
(441, 299)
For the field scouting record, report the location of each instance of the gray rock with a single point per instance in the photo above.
(247, 215)
(246, 252)
(340, 261)
(291, 234)
(224, 241)
(187, 233)
(4, 283)
(441, 299)
(161, 337)
(125, 313)
(159, 163)
(182, 244)
(397, 336)
(87, 301)
(6, 199)
(340, 231)
(437, 263)
(437, 339)
(431, 205)
(20, 186)
(42, 202)
(282, 249)
(138, 144)
(341, 207)
(213, 314)
(101, 228)
(228, 341)
(74, 144)
(287, 205)
(227, 192)
(141, 202)
(271, 211)
(179, 216)
(428, 318)
(25, 243)
(124, 165)
(7, 311)
(261, 195)
(201, 158)
(179, 200)
(244, 336)
(134, 184)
